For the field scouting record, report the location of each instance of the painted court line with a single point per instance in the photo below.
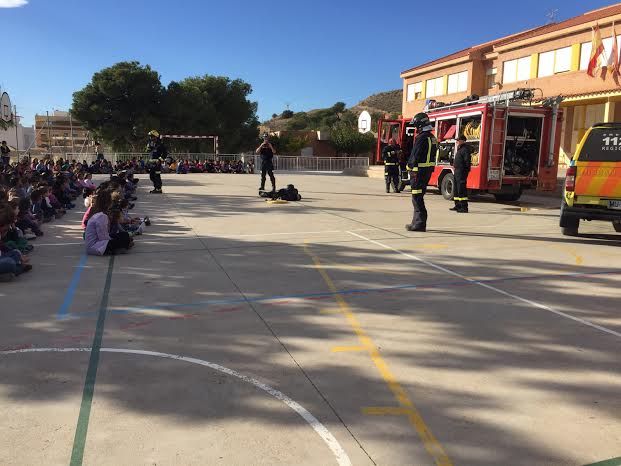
(73, 286)
(339, 453)
(493, 288)
(431, 444)
(79, 441)
(299, 298)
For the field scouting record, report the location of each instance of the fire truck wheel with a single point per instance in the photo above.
(447, 187)
(509, 197)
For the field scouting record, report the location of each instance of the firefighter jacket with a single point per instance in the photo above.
(463, 161)
(157, 149)
(424, 151)
(390, 155)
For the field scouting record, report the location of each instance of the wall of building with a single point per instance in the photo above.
(412, 108)
(22, 138)
(589, 100)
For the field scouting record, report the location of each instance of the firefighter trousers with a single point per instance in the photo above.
(155, 175)
(419, 181)
(391, 176)
(267, 169)
(461, 192)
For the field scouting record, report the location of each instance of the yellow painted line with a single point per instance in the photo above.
(386, 411)
(433, 447)
(345, 349)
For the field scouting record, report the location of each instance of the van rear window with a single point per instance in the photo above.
(602, 145)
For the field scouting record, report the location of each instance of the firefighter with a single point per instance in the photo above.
(421, 165)
(390, 155)
(461, 167)
(158, 152)
(267, 151)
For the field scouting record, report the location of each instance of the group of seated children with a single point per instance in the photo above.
(28, 199)
(108, 226)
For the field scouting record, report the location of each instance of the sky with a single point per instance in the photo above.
(300, 54)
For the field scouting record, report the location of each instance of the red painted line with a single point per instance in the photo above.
(229, 309)
(16, 348)
(137, 324)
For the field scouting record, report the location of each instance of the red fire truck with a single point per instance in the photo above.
(515, 143)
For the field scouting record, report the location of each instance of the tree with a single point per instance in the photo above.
(274, 116)
(338, 107)
(347, 140)
(287, 114)
(212, 105)
(121, 104)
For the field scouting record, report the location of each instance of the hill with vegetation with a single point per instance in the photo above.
(324, 119)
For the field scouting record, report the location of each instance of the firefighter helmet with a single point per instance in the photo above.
(420, 120)
(154, 133)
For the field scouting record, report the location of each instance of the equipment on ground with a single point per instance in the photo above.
(515, 142)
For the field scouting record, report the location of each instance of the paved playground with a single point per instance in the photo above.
(316, 333)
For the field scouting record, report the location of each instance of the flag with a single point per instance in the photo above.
(597, 48)
(613, 60)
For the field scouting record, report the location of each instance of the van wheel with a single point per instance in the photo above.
(569, 225)
(617, 226)
(447, 187)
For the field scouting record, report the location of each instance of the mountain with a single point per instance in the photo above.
(382, 102)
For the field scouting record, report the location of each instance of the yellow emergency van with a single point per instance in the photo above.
(593, 181)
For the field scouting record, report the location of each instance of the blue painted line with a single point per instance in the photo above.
(63, 311)
(456, 283)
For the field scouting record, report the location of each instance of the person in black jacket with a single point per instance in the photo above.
(390, 155)
(421, 164)
(461, 166)
(266, 150)
(158, 152)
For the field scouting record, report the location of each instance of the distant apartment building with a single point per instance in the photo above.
(551, 58)
(54, 132)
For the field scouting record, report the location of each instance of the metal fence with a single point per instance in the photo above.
(281, 162)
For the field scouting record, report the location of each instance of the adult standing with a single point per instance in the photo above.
(5, 151)
(461, 168)
(390, 155)
(266, 151)
(421, 165)
(158, 152)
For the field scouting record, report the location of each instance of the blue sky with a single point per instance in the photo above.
(306, 54)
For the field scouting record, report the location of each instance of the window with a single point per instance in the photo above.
(523, 69)
(562, 60)
(491, 77)
(585, 55)
(586, 49)
(554, 61)
(415, 91)
(435, 87)
(546, 64)
(516, 70)
(458, 82)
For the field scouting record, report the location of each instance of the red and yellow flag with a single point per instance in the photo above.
(596, 52)
(613, 60)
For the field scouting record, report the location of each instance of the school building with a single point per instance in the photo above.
(551, 58)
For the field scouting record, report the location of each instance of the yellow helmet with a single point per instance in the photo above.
(154, 133)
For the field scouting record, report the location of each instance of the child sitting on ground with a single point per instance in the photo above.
(12, 262)
(99, 240)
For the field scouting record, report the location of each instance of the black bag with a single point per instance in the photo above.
(288, 194)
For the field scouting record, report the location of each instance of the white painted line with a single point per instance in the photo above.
(293, 233)
(341, 457)
(493, 288)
